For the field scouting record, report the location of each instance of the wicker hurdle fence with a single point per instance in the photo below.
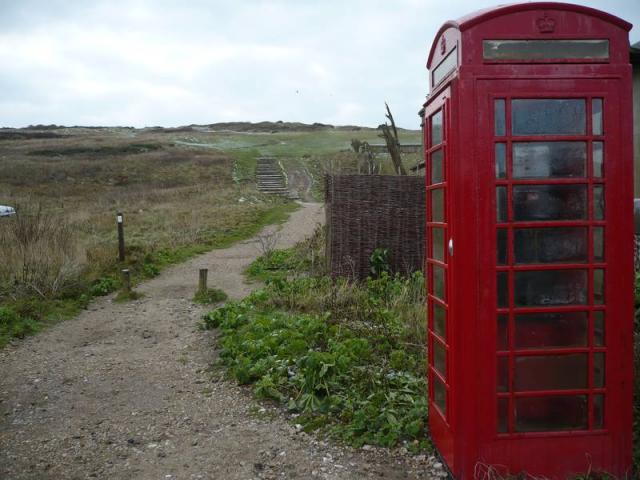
(365, 212)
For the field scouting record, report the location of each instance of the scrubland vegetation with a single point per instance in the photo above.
(182, 191)
(344, 357)
(61, 248)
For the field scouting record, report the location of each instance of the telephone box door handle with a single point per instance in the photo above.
(451, 247)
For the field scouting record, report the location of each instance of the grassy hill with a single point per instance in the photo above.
(182, 191)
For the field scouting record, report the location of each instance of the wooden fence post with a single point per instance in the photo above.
(120, 220)
(202, 284)
(126, 280)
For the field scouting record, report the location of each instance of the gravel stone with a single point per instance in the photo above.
(118, 393)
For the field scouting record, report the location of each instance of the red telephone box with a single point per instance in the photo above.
(528, 155)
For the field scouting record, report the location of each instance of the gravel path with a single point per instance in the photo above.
(125, 391)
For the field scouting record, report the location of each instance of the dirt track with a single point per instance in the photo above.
(124, 391)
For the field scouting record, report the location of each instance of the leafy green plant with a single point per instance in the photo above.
(379, 262)
(305, 258)
(209, 296)
(337, 353)
(103, 286)
(274, 264)
(14, 325)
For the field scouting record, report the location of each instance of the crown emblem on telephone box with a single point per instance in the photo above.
(546, 24)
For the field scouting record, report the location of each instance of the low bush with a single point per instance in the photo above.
(274, 264)
(341, 355)
(40, 254)
(13, 325)
(304, 259)
(103, 286)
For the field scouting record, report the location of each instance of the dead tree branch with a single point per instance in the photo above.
(390, 135)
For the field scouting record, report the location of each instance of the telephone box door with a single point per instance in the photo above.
(557, 258)
(438, 267)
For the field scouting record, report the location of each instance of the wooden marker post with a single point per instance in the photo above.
(202, 284)
(120, 220)
(126, 280)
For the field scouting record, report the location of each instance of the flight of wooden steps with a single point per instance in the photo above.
(270, 177)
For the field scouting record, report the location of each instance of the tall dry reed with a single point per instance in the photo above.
(40, 254)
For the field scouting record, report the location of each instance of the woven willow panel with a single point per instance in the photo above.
(365, 212)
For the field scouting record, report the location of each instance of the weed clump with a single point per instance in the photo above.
(304, 259)
(41, 254)
(209, 296)
(341, 355)
(128, 296)
(13, 325)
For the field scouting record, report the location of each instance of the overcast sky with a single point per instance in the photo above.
(164, 62)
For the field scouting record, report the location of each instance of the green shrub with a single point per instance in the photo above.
(379, 262)
(103, 286)
(14, 325)
(337, 353)
(305, 258)
(275, 264)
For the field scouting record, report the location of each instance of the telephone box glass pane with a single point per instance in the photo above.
(598, 159)
(545, 49)
(437, 243)
(440, 321)
(501, 246)
(503, 374)
(438, 282)
(440, 395)
(502, 338)
(501, 160)
(448, 64)
(598, 286)
(598, 244)
(596, 116)
(551, 372)
(598, 203)
(437, 167)
(501, 204)
(598, 370)
(546, 414)
(598, 328)
(551, 330)
(550, 287)
(549, 159)
(550, 245)
(437, 205)
(500, 122)
(503, 415)
(440, 357)
(436, 128)
(549, 202)
(548, 117)
(503, 289)
(598, 411)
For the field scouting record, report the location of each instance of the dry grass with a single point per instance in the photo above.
(61, 248)
(41, 254)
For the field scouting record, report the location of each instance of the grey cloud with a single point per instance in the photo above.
(171, 62)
